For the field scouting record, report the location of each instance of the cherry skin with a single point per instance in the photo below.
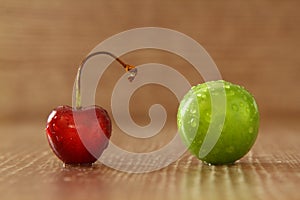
(92, 123)
(80, 135)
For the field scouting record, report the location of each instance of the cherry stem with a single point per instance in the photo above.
(128, 68)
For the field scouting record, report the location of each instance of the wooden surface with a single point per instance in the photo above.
(29, 170)
(254, 44)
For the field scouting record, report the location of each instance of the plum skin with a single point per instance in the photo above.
(241, 125)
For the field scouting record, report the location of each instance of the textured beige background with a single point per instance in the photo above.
(254, 43)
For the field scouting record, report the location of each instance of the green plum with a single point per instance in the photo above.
(218, 121)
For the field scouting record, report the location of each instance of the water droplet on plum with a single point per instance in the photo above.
(193, 122)
(230, 93)
(234, 107)
(251, 130)
(193, 111)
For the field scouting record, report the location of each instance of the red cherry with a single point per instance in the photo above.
(82, 142)
(92, 123)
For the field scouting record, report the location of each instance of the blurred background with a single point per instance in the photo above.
(254, 43)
